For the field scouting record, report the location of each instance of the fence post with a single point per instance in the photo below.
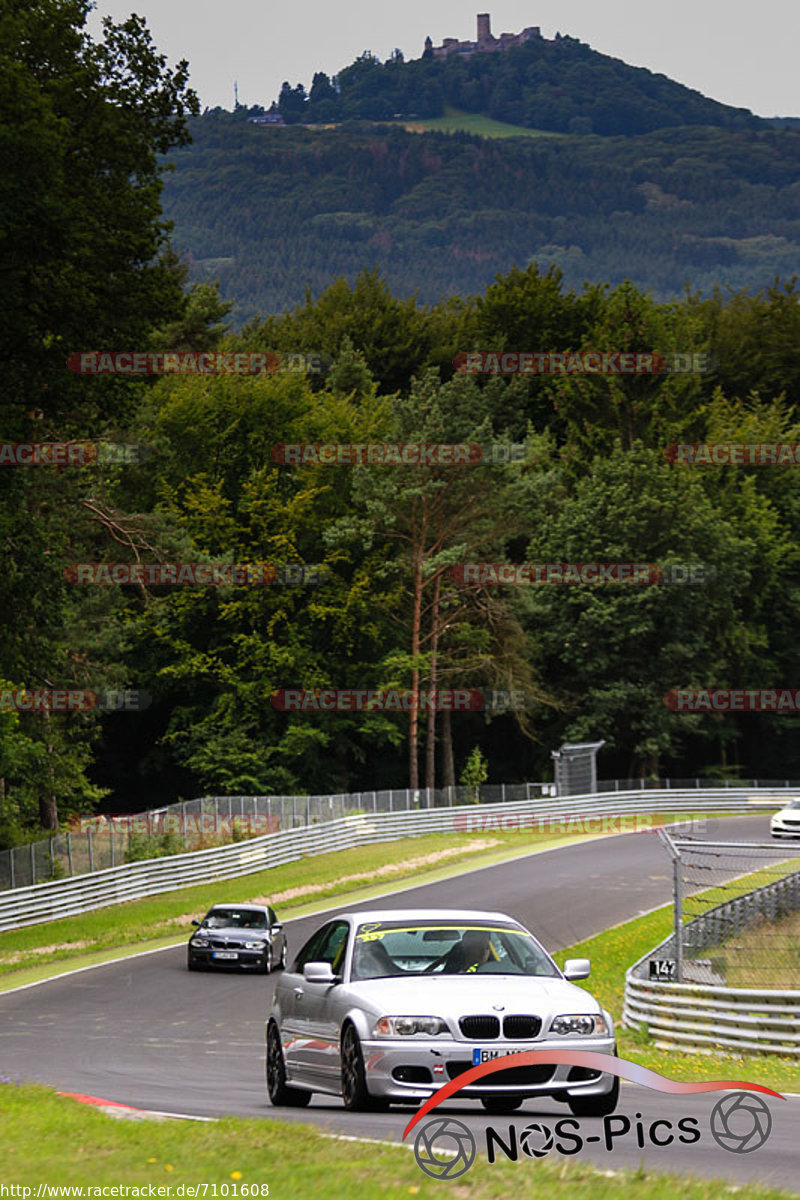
(91, 850)
(11, 866)
(33, 864)
(111, 841)
(69, 852)
(678, 888)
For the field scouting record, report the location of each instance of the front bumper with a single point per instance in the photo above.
(410, 1069)
(779, 829)
(204, 957)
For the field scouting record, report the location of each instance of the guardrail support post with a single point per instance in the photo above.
(91, 851)
(33, 864)
(69, 852)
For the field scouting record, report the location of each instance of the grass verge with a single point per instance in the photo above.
(48, 1139)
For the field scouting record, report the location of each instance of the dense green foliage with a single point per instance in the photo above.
(560, 85)
(271, 212)
(594, 485)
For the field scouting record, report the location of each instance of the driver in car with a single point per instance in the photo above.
(475, 946)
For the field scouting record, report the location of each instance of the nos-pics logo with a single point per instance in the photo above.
(446, 1148)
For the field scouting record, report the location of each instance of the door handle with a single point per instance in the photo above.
(298, 992)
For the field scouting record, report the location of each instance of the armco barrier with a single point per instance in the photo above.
(65, 897)
(698, 1017)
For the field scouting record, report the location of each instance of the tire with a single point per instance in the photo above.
(282, 960)
(192, 964)
(267, 966)
(595, 1106)
(501, 1104)
(278, 1091)
(355, 1095)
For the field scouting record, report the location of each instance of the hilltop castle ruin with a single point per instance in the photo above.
(486, 42)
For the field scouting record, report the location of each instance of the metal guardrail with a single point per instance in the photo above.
(110, 841)
(701, 1018)
(707, 1016)
(65, 897)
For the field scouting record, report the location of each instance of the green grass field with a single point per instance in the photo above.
(455, 121)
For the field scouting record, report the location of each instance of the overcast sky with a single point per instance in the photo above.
(741, 53)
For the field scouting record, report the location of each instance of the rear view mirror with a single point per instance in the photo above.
(277, 927)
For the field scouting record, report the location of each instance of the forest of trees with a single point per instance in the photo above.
(272, 212)
(563, 86)
(594, 483)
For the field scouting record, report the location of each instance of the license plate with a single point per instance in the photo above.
(225, 954)
(481, 1056)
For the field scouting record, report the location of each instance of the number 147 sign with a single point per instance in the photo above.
(662, 968)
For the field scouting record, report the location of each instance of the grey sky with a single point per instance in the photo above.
(740, 53)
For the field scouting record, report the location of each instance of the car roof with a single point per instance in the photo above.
(427, 914)
(240, 907)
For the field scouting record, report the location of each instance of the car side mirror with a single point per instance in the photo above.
(320, 972)
(577, 968)
(277, 927)
(195, 922)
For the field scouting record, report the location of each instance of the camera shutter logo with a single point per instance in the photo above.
(741, 1122)
(536, 1140)
(444, 1148)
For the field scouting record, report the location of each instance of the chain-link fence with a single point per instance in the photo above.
(736, 914)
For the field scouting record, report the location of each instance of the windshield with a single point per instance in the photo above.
(387, 949)
(239, 918)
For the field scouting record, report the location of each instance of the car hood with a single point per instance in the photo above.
(789, 812)
(462, 995)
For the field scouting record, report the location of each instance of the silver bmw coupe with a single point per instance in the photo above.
(387, 1006)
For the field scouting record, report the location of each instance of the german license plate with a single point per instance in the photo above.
(481, 1056)
(225, 954)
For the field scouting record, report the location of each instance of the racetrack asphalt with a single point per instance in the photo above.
(148, 1033)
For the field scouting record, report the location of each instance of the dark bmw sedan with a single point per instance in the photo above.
(238, 935)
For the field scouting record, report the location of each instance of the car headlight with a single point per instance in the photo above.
(253, 945)
(199, 941)
(580, 1023)
(409, 1026)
